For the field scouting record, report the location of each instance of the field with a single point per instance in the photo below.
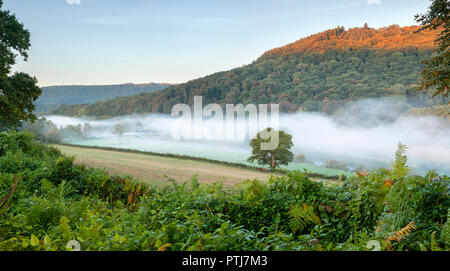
(153, 169)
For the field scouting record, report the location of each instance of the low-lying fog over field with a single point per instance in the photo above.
(365, 134)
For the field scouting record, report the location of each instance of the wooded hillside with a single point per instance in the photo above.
(317, 73)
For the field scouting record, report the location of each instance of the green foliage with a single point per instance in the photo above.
(445, 234)
(399, 168)
(422, 200)
(436, 72)
(17, 91)
(252, 189)
(42, 214)
(434, 243)
(302, 216)
(280, 155)
(55, 201)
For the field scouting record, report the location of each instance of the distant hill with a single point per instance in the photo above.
(317, 73)
(55, 96)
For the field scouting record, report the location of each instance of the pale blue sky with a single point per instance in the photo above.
(137, 41)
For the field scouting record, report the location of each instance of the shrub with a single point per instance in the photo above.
(334, 164)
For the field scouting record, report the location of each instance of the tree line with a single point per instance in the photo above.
(55, 96)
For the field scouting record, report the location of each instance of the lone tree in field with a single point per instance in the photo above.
(17, 91)
(87, 128)
(119, 131)
(281, 155)
(437, 71)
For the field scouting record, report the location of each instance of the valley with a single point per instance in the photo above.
(288, 126)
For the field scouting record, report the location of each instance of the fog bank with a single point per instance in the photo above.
(369, 137)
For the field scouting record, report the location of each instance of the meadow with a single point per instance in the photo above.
(155, 169)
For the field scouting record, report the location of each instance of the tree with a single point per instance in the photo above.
(279, 156)
(139, 126)
(44, 130)
(17, 91)
(301, 158)
(334, 164)
(437, 72)
(87, 128)
(118, 130)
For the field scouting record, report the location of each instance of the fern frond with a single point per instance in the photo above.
(399, 168)
(302, 216)
(401, 234)
(164, 247)
(422, 247)
(434, 243)
(252, 189)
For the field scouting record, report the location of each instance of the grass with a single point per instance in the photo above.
(314, 171)
(155, 169)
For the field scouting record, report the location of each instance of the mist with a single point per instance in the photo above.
(366, 133)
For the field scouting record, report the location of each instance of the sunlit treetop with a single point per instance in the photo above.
(388, 38)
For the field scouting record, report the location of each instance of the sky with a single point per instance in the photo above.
(94, 42)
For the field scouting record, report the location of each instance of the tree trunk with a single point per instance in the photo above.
(273, 161)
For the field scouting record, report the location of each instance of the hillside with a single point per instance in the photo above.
(441, 111)
(389, 38)
(55, 96)
(317, 73)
